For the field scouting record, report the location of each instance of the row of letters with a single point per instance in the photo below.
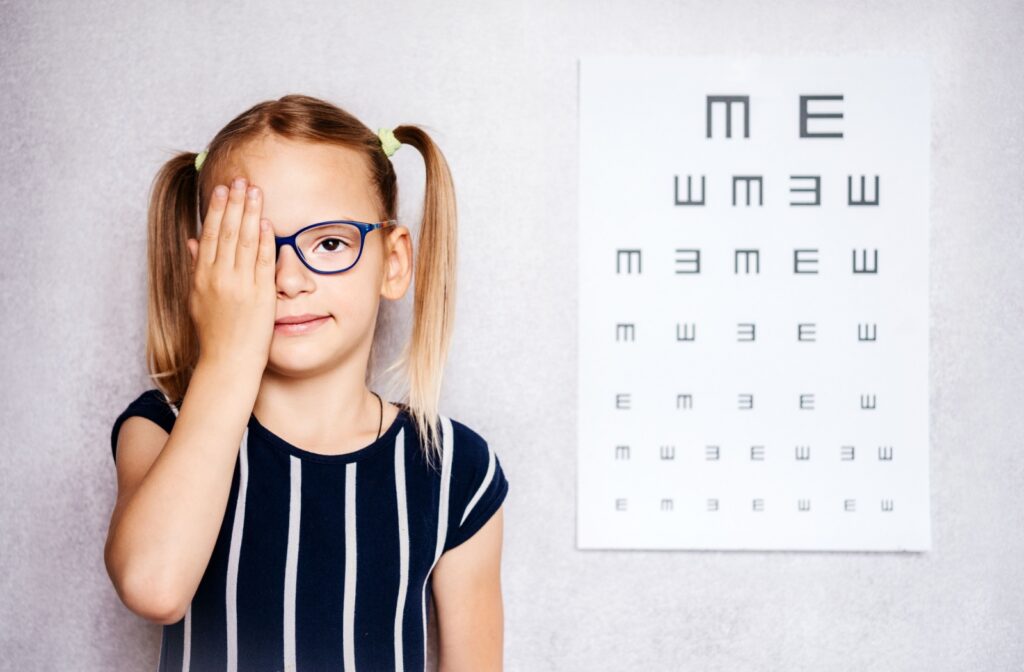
(757, 504)
(629, 261)
(713, 453)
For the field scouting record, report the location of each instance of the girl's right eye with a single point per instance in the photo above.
(334, 248)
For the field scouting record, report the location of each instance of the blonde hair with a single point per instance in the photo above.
(172, 346)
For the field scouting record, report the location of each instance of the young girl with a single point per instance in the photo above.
(273, 512)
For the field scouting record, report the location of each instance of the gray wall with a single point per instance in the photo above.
(95, 97)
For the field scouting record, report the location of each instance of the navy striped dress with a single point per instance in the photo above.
(323, 562)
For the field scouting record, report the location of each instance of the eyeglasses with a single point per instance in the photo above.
(330, 247)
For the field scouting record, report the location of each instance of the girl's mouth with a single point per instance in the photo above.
(299, 327)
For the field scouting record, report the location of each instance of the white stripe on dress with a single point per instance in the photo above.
(291, 563)
(231, 585)
(349, 607)
(483, 486)
(403, 547)
(186, 647)
(447, 447)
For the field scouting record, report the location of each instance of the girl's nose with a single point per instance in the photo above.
(288, 248)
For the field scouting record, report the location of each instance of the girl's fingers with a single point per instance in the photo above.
(227, 239)
(193, 249)
(249, 231)
(266, 259)
(207, 243)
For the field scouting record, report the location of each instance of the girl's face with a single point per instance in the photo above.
(304, 183)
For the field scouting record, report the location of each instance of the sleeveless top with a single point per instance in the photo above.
(323, 562)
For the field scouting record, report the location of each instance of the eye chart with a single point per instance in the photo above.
(753, 311)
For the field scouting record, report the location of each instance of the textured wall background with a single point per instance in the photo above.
(96, 95)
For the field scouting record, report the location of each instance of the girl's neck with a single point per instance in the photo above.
(318, 418)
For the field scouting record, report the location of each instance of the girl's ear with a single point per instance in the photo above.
(193, 249)
(398, 264)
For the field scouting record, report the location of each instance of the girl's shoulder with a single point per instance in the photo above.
(472, 455)
(466, 436)
(151, 404)
(471, 452)
(477, 482)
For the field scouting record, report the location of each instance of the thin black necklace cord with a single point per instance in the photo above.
(381, 423)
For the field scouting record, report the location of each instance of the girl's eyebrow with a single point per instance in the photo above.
(341, 216)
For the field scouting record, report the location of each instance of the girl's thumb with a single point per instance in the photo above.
(192, 251)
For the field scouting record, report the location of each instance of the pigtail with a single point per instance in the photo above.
(425, 353)
(172, 346)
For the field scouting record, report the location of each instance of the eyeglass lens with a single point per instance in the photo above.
(331, 247)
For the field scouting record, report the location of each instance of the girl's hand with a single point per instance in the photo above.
(234, 288)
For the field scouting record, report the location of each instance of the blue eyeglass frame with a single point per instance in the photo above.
(364, 228)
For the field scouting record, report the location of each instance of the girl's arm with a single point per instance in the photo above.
(173, 491)
(466, 585)
(172, 497)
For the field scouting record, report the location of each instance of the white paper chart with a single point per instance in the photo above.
(753, 311)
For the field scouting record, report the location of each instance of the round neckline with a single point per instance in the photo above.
(386, 438)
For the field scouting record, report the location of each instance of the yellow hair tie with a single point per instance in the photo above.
(388, 141)
(200, 158)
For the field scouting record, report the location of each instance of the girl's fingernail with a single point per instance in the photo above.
(220, 191)
(253, 193)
